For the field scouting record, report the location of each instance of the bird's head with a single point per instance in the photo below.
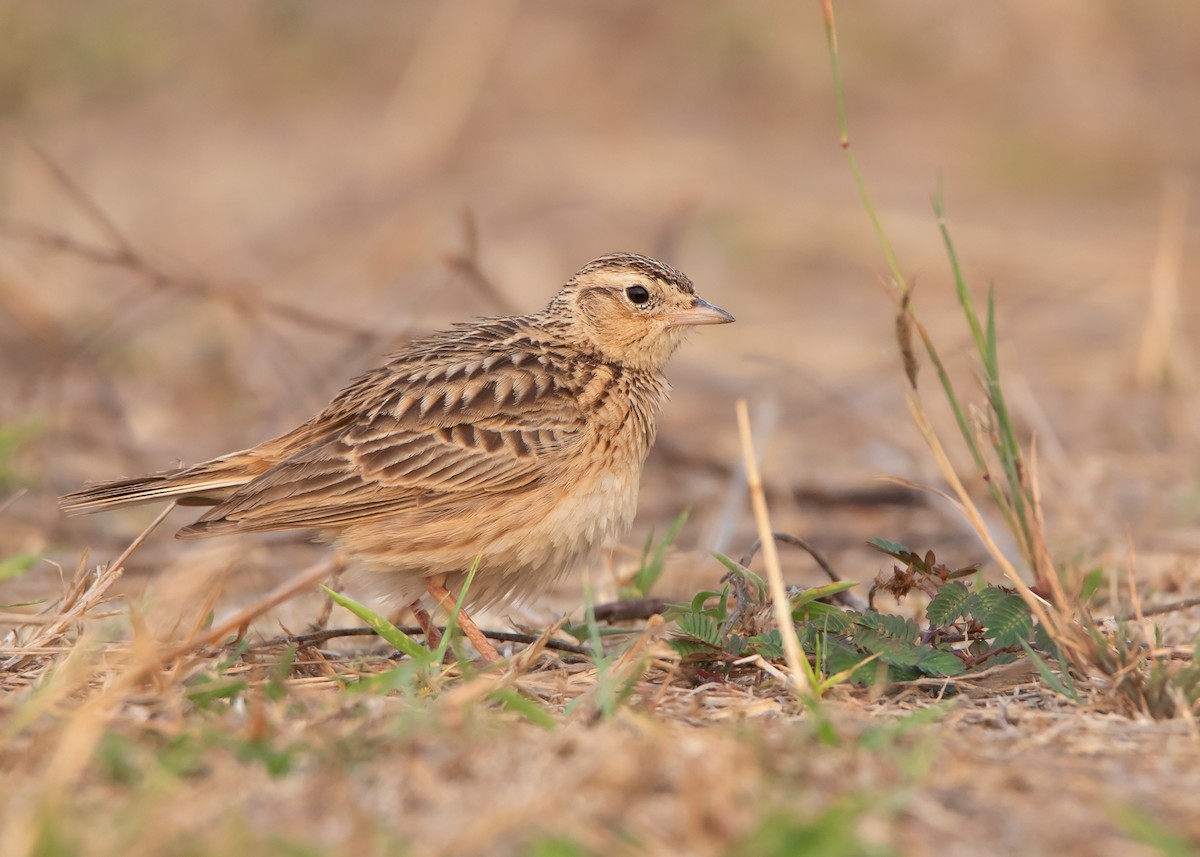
(632, 310)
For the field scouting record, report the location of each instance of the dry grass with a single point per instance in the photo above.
(204, 230)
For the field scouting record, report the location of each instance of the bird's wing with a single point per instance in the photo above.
(413, 435)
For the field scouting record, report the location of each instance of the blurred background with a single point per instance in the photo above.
(213, 215)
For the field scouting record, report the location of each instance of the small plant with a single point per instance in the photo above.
(969, 624)
(617, 672)
(654, 560)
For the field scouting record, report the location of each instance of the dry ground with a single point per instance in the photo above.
(211, 217)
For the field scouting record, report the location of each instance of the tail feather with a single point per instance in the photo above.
(186, 487)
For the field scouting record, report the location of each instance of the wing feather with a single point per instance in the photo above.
(424, 431)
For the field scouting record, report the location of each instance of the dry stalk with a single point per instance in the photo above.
(86, 592)
(1044, 571)
(463, 695)
(242, 619)
(633, 663)
(781, 605)
(73, 743)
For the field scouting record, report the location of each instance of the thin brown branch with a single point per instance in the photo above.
(625, 611)
(240, 297)
(1173, 607)
(8, 501)
(465, 263)
(79, 196)
(787, 538)
(315, 638)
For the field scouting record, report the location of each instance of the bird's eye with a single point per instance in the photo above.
(637, 294)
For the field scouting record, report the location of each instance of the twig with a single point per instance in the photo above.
(238, 296)
(624, 611)
(787, 538)
(1173, 607)
(782, 607)
(465, 263)
(866, 497)
(80, 600)
(314, 638)
(81, 198)
(335, 583)
(11, 499)
(243, 618)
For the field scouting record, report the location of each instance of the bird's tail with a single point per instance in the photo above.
(202, 485)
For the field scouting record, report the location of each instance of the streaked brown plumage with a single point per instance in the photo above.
(520, 440)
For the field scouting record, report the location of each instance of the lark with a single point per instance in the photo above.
(515, 442)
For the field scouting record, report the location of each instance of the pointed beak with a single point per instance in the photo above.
(701, 312)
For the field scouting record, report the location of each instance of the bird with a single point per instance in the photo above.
(514, 445)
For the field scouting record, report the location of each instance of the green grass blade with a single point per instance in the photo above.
(1048, 675)
(960, 281)
(513, 701)
(654, 559)
(381, 626)
(452, 621)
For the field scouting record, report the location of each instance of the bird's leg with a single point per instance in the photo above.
(433, 637)
(436, 586)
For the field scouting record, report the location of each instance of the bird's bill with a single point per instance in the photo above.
(701, 312)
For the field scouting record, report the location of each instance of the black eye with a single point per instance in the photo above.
(637, 294)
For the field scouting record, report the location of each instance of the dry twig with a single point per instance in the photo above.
(844, 598)
(314, 638)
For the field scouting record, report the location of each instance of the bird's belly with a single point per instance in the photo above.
(591, 514)
(523, 544)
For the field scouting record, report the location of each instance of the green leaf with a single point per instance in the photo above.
(740, 570)
(890, 548)
(949, 604)
(837, 655)
(833, 832)
(825, 617)
(1048, 676)
(381, 626)
(899, 627)
(696, 605)
(692, 647)
(438, 655)
(207, 691)
(701, 628)
(769, 645)
(939, 663)
(890, 649)
(556, 847)
(818, 592)
(901, 672)
(1004, 615)
(1092, 581)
